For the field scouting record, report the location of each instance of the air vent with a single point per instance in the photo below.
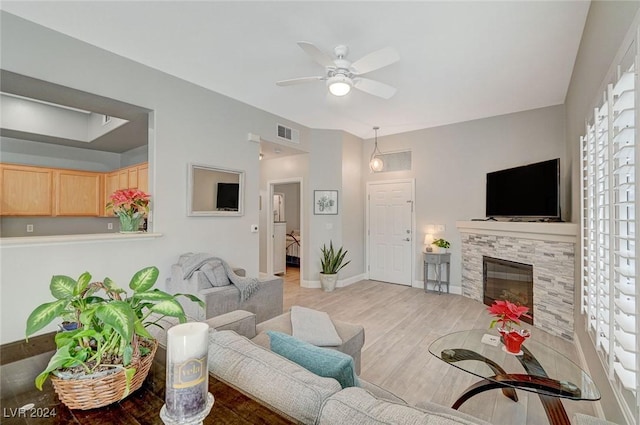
(289, 134)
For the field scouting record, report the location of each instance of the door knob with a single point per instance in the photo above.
(407, 239)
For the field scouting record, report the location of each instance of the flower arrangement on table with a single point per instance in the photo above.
(507, 315)
(131, 206)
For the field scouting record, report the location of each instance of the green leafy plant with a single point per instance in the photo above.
(441, 243)
(111, 328)
(332, 261)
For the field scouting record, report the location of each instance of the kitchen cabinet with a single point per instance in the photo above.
(132, 173)
(25, 190)
(78, 193)
(143, 177)
(123, 179)
(133, 177)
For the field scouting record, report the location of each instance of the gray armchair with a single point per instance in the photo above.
(265, 303)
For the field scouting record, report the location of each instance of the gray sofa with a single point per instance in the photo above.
(300, 395)
(267, 302)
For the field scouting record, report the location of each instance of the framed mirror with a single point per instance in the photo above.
(215, 191)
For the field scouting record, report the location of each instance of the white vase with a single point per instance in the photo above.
(328, 281)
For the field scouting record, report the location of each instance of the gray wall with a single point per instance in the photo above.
(28, 152)
(325, 173)
(606, 26)
(450, 164)
(291, 193)
(335, 166)
(50, 226)
(38, 118)
(285, 168)
(191, 125)
(352, 208)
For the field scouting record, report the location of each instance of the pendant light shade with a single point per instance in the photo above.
(375, 163)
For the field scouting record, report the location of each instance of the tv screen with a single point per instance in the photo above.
(528, 191)
(227, 198)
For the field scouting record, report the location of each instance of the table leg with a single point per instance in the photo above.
(555, 410)
(536, 377)
(458, 354)
(448, 276)
(480, 387)
(426, 275)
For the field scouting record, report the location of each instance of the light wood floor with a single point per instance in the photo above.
(400, 322)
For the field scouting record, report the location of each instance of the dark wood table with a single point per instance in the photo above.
(549, 374)
(20, 362)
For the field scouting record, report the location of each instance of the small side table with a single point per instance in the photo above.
(437, 260)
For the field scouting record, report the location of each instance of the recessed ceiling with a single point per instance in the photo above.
(458, 60)
(129, 136)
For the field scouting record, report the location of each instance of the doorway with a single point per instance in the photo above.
(285, 248)
(390, 230)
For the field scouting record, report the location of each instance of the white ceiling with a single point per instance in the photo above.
(458, 60)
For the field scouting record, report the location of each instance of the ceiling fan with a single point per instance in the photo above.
(341, 75)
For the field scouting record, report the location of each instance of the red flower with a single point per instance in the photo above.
(129, 202)
(507, 313)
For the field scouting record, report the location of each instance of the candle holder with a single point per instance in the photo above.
(187, 400)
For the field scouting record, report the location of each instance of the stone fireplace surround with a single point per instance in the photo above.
(548, 247)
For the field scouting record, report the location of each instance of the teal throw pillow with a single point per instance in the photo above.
(321, 361)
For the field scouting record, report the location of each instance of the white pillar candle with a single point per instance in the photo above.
(187, 375)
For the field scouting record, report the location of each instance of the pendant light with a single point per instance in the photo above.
(375, 163)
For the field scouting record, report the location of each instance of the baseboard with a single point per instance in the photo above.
(314, 284)
(350, 280)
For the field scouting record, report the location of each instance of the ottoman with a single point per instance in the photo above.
(352, 335)
(244, 323)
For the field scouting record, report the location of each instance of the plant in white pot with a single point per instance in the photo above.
(441, 245)
(332, 262)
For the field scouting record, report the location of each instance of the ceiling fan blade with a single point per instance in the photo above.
(299, 80)
(375, 60)
(316, 54)
(375, 88)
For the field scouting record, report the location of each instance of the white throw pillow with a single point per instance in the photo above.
(314, 327)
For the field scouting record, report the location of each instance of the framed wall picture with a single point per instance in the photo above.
(325, 202)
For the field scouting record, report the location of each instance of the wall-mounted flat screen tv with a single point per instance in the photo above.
(227, 198)
(527, 191)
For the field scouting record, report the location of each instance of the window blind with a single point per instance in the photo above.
(610, 294)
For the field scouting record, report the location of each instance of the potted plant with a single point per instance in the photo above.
(441, 245)
(131, 206)
(332, 262)
(507, 315)
(110, 351)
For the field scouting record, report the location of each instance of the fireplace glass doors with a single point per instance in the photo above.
(508, 280)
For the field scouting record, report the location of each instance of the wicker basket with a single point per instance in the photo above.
(92, 393)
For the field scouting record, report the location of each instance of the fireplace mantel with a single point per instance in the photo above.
(558, 232)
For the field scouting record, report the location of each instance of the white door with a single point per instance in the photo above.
(390, 232)
(279, 248)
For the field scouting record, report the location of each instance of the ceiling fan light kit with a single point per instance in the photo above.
(339, 85)
(342, 75)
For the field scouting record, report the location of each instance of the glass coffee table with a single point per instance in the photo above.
(538, 369)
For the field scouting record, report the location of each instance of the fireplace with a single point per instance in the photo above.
(508, 280)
